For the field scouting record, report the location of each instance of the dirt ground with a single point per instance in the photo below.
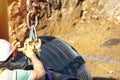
(98, 40)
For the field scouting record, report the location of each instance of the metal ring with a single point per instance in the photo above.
(33, 33)
(36, 19)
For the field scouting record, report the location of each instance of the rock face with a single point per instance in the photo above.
(17, 22)
(112, 9)
(91, 26)
(63, 13)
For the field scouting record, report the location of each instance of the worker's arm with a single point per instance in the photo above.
(36, 74)
(38, 71)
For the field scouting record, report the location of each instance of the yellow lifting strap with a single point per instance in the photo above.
(3, 20)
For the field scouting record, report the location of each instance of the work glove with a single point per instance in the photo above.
(30, 47)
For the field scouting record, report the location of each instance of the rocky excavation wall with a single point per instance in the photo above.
(69, 13)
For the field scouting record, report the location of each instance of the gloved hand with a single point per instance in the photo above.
(29, 47)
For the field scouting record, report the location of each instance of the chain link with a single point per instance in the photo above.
(28, 19)
(33, 34)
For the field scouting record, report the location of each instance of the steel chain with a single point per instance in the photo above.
(34, 41)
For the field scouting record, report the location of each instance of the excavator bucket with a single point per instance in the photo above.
(59, 57)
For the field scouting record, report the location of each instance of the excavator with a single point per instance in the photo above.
(60, 59)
